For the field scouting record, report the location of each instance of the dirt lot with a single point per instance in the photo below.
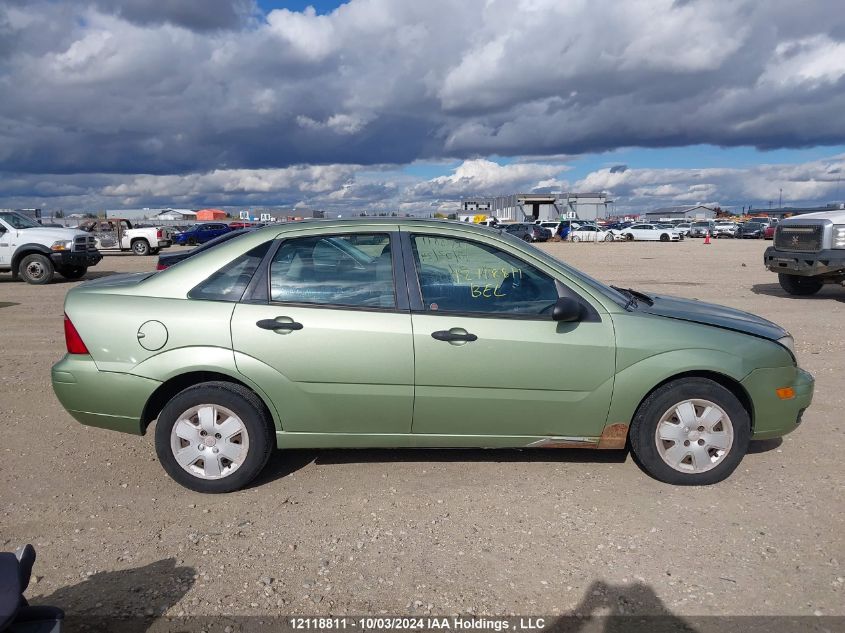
(436, 531)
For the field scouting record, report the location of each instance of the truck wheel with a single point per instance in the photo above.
(36, 269)
(691, 431)
(800, 286)
(73, 272)
(141, 247)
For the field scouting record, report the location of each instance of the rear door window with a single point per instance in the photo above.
(349, 270)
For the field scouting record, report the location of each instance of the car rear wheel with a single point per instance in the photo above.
(575, 238)
(141, 247)
(214, 437)
(800, 286)
(629, 237)
(664, 238)
(36, 269)
(192, 241)
(691, 431)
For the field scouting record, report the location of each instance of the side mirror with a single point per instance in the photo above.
(566, 310)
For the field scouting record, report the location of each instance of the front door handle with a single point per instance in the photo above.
(454, 335)
(277, 324)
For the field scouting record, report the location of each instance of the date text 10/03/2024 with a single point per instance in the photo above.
(451, 623)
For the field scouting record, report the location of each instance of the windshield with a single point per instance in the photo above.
(18, 221)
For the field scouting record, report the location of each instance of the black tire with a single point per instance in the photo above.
(608, 237)
(73, 272)
(154, 251)
(644, 428)
(239, 400)
(36, 269)
(664, 237)
(629, 237)
(141, 247)
(192, 241)
(800, 286)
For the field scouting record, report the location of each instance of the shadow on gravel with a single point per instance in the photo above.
(140, 594)
(830, 291)
(629, 608)
(285, 462)
(764, 446)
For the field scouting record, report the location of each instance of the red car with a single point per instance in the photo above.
(769, 233)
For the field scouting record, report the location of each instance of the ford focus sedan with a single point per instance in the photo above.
(416, 333)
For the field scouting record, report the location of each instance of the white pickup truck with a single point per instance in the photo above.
(119, 234)
(808, 252)
(35, 253)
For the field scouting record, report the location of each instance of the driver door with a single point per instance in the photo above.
(512, 371)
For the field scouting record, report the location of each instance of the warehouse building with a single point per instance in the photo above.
(664, 214)
(520, 207)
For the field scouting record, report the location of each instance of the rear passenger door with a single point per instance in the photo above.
(326, 334)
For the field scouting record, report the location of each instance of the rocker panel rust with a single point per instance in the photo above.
(612, 437)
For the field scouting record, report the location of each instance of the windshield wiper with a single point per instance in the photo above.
(634, 294)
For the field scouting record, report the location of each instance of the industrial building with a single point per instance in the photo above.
(519, 207)
(695, 212)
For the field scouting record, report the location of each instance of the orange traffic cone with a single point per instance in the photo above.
(707, 238)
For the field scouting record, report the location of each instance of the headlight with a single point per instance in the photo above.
(788, 342)
(62, 245)
(839, 236)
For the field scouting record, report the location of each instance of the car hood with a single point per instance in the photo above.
(712, 314)
(47, 234)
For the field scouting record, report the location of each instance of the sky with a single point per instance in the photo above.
(390, 105)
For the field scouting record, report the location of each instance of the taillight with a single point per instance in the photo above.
(73, 340)
(159, 233)
(160, 266)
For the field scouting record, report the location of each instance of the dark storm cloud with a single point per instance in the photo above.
(187, 87)
(199, 15)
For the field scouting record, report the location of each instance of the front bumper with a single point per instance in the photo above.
(104, 399)
(75, 259)
(829, 261)
(774, 417)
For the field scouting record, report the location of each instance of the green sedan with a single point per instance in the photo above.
(416, 333)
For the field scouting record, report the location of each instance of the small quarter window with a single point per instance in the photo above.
(230, 282)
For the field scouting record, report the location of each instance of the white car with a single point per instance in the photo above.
(650, 233)
(591, 233)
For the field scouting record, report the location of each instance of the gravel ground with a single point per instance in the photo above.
(424, 531)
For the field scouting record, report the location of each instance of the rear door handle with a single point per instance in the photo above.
(453, 335)
(276, 324)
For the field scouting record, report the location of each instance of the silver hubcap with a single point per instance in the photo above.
(694, 436)
(209, 441)
(35, 270)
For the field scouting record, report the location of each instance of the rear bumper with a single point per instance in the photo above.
(76, 258)
(824, 262)
(165, 243)
(104, 399)
(774, 417)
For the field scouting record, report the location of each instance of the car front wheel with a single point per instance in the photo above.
(799, 286)
(73, 272)
(691, 431)
(36, 269)
(214, 437)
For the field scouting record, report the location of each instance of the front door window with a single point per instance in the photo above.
(461, 276)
